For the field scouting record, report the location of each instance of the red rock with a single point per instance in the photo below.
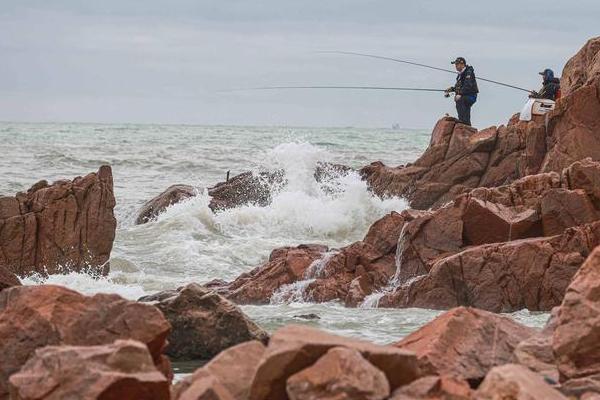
(465, 343)
(204, 387)
(69, 225)
(294, 348)
(513, 381)
(584, 174)
(576, 338)
(582, 69)
(232, 371)
(340, 374)
(434, 388)
(529, 273)
(173, 195)
(562, 209)
(8, 279)
(203, 323)
(32, 317)
(245, 188)
(121, 370)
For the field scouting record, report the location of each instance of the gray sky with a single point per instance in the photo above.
(165, 61)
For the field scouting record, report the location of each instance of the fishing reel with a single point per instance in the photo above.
(448, 91)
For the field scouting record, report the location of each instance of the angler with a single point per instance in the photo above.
(550, 86)
(465, 90)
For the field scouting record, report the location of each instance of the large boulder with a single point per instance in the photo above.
(465, 343)
(577, 334)
(582, 69)
(173, 195)
(434, 387)
(203, 322)
(121, 370)
(227, 376)
(66, 226)
(246, 188)
(32, 317)
(295, 348)
(8, 279)
(516, 382)
(341, 374)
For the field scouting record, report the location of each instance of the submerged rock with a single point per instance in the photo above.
(203, 322)
(62, 227)
(32, 317)
(121, 370)
(465, 343)
(173, 195)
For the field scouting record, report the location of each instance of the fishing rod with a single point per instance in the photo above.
(339, 87)
(421, 65)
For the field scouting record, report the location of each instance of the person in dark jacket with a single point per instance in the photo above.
(550, 86)
(465, 90)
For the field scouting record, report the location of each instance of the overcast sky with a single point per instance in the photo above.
(165, 61)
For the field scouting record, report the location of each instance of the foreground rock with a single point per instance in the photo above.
(122, 370)
(173, 195)
(434, 388)
(66, 226)
(465, 343)
(8, 279)
(203, 322)
(341, 373)
(577, 334)
(32, 317)
(516, 382)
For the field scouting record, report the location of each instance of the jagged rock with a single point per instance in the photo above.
(528, 273)
(66, 226)
(121, 370)
(245, 188)
(8, 279)
(577, 334)
(203, 322)
(465, 343)
(585, 175)
(434, 388)
(582, 69)
(340, 374)
(294, 348)
(513, 381)
(173, 195)
(228, 375)
(562, 208)
(32, 317)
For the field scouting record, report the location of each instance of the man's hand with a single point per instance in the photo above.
(534, 95)
(457, 97)
(448, 91)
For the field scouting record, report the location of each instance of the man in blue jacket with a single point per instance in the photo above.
(550, 86)
(465, 90)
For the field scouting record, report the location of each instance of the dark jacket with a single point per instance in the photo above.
(550, 89)
(466, 83)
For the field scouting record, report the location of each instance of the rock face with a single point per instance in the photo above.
(8, 279)
(66, 226)
(434, 388)
(465, 343)
(203, 323)
(32, 317)
(577, 334)
(245, 188)
(341, 374)
(295, 348)
(120, 370)
(516, 382)
(173, 195)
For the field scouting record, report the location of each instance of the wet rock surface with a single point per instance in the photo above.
(172, 195)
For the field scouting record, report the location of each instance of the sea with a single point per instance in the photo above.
(190, 243)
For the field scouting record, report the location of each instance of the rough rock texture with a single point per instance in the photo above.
(294, 348)
(8, 279)
(203, 322)
(465, 343)
(245, 188)
(341, 374)
(434, 388)
(582, 69)
(121, 370)
(536, 352)
(577, 335)
(229, 374)
(515, 382)
(505, 277)
(66, 226)
(173, 195)
(32, 317)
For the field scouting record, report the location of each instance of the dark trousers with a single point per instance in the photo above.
(463, 107)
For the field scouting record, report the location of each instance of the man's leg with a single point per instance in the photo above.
(463, 107)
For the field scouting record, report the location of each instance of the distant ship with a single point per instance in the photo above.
(396, 126)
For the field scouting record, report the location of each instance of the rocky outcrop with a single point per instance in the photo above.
(443, 346)
(173, 195)
(342, 373)
(121, 370)
(577, 334)
(32, 317)
(434, 388)
(8, 279)
(66, 226)
(516, 382)
(246, 188)
(203, 322)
